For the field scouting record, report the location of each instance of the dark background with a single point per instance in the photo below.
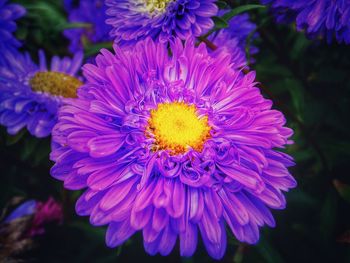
(309, 81)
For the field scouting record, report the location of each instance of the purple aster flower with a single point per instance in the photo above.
(235, 38)
(172, 146)
(8, 14)
(134, 20)
(319, 18)
(92, 12)
(30, 95)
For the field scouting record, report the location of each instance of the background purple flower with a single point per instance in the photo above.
(30, 95)
(237, 38)
(8, 14)
(45, 213)
(135, 20)
(216, 165)
(25, 209)
(93, 13)
(319, 18)
(28, 220)
(41, 213)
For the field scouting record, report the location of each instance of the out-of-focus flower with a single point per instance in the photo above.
(45, 212)
(8, 14)
(319, 18)
(236, 39)
(30, 95)
(41, 213)
(26, 209)
(23, 223)
(172, 146)
(93, 14)
(135, 20)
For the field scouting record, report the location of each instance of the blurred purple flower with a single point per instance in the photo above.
(18, 229)
(42, 213)
(235, 38)
(8, 14)
(30, 95)
(93, 13)
(172, 145)
(163, 19)
(25, 209)
(319, 18)
(46, 212)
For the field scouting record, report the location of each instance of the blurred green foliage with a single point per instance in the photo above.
(308, 81)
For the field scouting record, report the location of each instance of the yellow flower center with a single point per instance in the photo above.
(177, 127)
(55, 83)
(156, 5)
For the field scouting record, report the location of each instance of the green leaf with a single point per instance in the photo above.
(186, 260)
(221, 4)
(41, 153)
(268, 252)
(73, 25)
(30, 145)
(328, 216)
(219, 22)
(22, 33)
(222, 22)
(46, 14)
(295, 87)
(239, 255)
(299, 47)
(91, 50)
(13, 139)
(239, 10)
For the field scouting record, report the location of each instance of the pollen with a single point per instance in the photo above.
(177, 127)
(55, 83)
(156, 5)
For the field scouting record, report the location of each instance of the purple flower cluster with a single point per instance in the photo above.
(163, 19)
(93, 13)
(319, 18)
(30, 95)
(8, 14)
(172, 146)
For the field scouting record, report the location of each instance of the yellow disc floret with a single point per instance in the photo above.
(156, 5)
(177, 127)
(55, 83)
